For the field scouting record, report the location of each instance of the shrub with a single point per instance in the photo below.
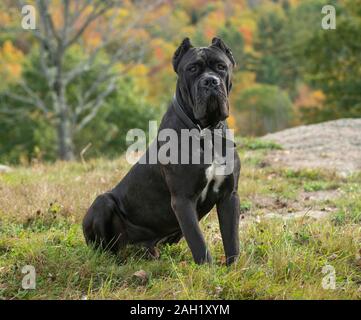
(264, 109)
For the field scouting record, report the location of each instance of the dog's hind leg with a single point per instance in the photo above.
(153, 252)
(173, 238)
(103, 226)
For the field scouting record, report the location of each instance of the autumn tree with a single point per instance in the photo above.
(333, 63)
(105, 31)
(270, 47)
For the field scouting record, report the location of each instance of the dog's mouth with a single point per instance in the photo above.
(211, 106)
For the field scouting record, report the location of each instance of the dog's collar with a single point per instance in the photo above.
(189, 122)
(222, 125)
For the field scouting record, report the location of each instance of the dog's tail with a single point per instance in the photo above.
(103, 226)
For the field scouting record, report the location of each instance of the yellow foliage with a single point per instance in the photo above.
(162, 49)
(15, 70)
(319, 96)
(139, 70)
(4, 19)
(241, 81)
(139, 73)
(188, 31)
(294, 2)
(161, 11)
(138, 34)
(246, 23)
(122, 13)
(308, 98)
(231, 121)
(212, 23)
(10, 62)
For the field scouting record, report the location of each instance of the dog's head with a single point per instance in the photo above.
(204, 79)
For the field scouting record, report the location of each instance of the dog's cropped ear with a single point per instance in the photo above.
(179, 53)
(218, 43)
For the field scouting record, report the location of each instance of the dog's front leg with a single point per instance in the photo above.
(185, 211)
(228, 216)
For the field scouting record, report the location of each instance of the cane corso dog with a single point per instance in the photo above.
(162, 202)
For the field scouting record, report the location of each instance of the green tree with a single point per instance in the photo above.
(125, 109)
(64, 25)
(284, 34)
(333, 63)
(263, 109)
(269, 64)
(27, 133)
(234, 40)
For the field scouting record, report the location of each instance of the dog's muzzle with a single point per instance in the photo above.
(211, 100)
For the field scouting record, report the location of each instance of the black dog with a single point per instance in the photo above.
(160, 203)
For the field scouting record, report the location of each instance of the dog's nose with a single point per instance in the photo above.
(210, 82)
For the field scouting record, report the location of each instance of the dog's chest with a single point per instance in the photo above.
(214, 173)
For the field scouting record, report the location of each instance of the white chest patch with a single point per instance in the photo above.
(215, 172)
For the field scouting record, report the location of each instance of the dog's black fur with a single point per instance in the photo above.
(157, 203)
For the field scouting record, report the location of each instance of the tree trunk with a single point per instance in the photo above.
(65, 139)
(65, 130)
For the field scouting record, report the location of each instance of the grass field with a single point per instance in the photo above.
(41, 208)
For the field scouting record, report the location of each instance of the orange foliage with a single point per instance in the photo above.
(4, 19)
(247, 35)
(139, 73)
(308, 98)
(213, 22)
(231, 121)
(10, 62)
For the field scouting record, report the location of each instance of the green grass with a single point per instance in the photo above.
(320, 185)
(257, 144)
(41, 208)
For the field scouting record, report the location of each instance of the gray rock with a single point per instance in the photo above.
(333, 145)
(4, 169)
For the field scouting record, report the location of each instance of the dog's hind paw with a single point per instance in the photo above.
(153, 253)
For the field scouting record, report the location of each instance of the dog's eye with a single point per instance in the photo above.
(193, 68)
(221, 66)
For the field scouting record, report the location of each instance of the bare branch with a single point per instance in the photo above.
(83, 152)
(38, 102)
(30, 99)
(84, 65)
(79, 11)
(19, 98)
(64, 33)
(47, 18)
(54, 41)
(96, 105)
(96, 13)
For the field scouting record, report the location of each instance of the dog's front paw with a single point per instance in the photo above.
(203, 259)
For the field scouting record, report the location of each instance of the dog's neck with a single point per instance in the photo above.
(187, 109)
(185, 114)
